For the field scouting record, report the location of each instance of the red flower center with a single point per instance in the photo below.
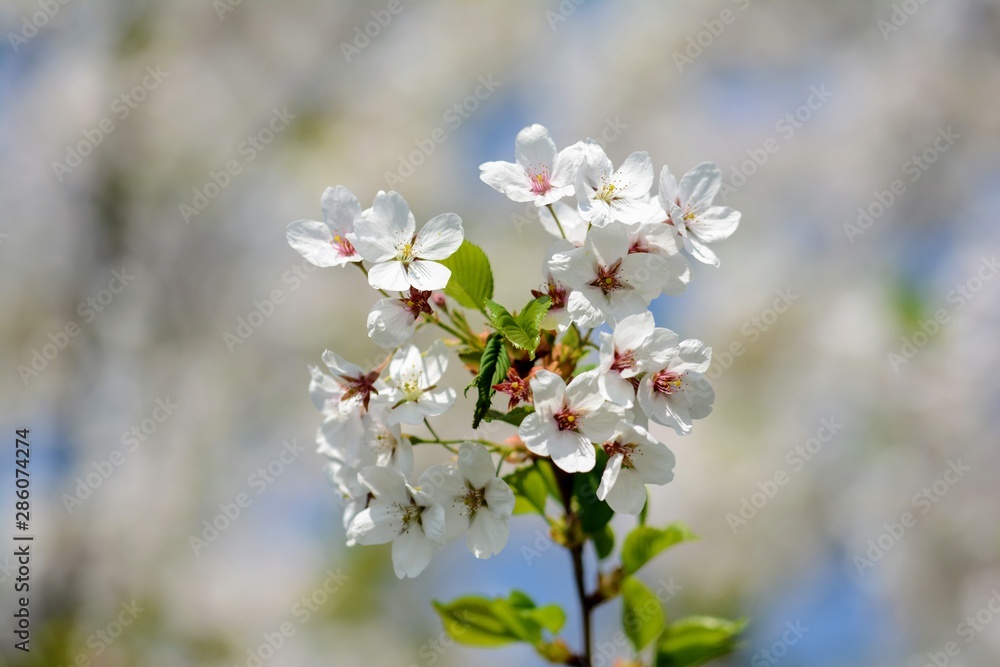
(608, 279)
(567, 420)
(667, 382)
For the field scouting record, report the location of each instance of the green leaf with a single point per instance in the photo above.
(583, 368)
(521, 330)
(604, 542)
(645, 542)
(696, 640)
(514, 417)
(594, 512)
(478, 621)
(473, 621)
(642, 615)
(530, 484)
(471, 282)
(493, 365)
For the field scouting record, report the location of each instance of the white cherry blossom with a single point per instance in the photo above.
(675, 392)
(633, 347)
(608, 282)
(540, 175)
(568, 419)
(605, 195)
(412, 392)
(401, 256)
(687, 207)
(475, 500)
(635, 459)
(393, 320)
(403, 515)
(330, 242)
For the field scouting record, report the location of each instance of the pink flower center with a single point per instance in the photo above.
(540, 183)
(343, 246)
(667, 382)
(555, 291)
(567, 420)
(623, 360)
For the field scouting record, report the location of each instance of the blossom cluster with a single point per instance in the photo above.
(585, 400)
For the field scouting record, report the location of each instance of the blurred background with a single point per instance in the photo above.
(151, 155)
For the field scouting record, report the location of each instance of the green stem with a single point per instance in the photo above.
(556, 218)
(454, 332)
(575, 546)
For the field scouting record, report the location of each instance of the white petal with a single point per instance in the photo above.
(536, 431)
(668, 189)
(487, 534)
(426, 275)
(314, 241)
(658, 350)
(507, 178)
(628, 494)
(411, 553)
(584, 392)
(692, 355)
(717, 223)
(389, 226)
(386, 484)
(439, 238)
(390, 324)
(435, 361)
(609, 244)
(610, 475)
(617, 389)
(566, 166)
(476, 464)
(378, 524)
(700, 395)
(499, 498)
(631, 332)
(549, 391)
(432, 521)
(341, 366)
(436, 402)
(699, 186)
(572, 452)
(584, 310)
(534, 149)
(322, 388)
(574, 226)
(388, 276)
(340, 208)
(600, 424)
(635, 177)
(654, 462)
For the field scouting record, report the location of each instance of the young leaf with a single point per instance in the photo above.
(493, 365)
(471, 282)
(697, 640)
(521, 330)
(645, 542)
(642, 615)
(473, 621)
(529, 483)
(514, 417)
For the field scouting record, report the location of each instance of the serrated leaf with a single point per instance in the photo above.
(494, 362)
(645, 542)
(642, 615)
(696, 640)
(514, 417)
(521, 330)
(471, 282)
